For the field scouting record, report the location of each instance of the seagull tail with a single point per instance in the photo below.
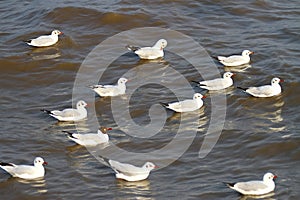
(69, 134)
(242, 88)
(132, 48)
(27, 41)
(229, 184)
(164, 104)
(46, 111)
(215, 57)
(5, 164)
(104, 160)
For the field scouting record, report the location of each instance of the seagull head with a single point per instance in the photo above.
(276, 81)
(56, 32)
(104, 129)
(81, 104)
(150, 166)
(198, 96)
(161, 44)
(122, 81)
(269, 177)
(247, 53)
(38, 161)
(228, 75)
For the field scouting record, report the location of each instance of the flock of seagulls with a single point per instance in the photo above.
(130, 172)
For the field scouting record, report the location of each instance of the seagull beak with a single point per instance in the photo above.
(281, 80)
(274, 177)
(156, 167)
(203, 97)
(61, 33)
(109, 129)
(45, 163)
(251, 52)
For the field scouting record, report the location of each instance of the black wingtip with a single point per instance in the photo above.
(229, 184)
(70, 134)
(196, 82)
(5, 164)
(27, 41)
(132, 48)
(164, 104)
(46, 111)
(241, 88)
(215, 57)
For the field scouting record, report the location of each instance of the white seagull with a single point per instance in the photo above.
(265, 186)
(45, 40)
(186, 105)
(265, 90)
(91, 139)
(70, 114)
(236, 60)
(111, 90)
(218, 83)
(130, 172)
(150, 52)
(26, 171)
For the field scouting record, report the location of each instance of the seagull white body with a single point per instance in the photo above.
(265, 186)
(236, 60)
(90, 139)
(70, 114)
(34, 171)
(265, 90)
(219, 83)
(186, 105)
(150, 53)
(45, 40)
(111, 90)
(130, 172)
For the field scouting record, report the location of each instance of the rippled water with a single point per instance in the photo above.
(259, 135)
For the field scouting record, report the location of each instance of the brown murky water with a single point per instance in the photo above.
(259, 135)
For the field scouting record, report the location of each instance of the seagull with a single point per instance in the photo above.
(265, 90)
(26, 171)
(236, 60)
(91, 139)
(130, 172)
(186, 105)
(45, 40)
(150, 52)
(111, 90)
(265, 186)
(219, 83)
(70, 114)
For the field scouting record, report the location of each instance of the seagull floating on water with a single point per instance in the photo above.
(70, 114)
(265, 186)
(217, 84)
(26, 171)
(236, 60)
(265, 90)
(90, 139)
(111, 90)
(186, 105)
(150, 52)
(45, 40)
(130, 172)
